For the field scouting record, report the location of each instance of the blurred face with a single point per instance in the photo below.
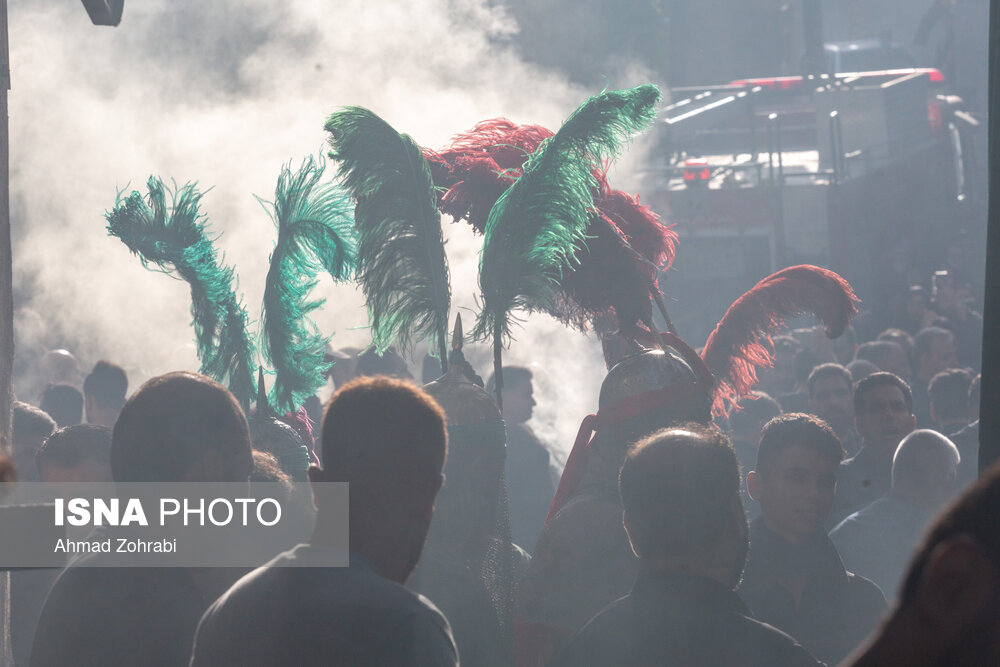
(941, 356)
(518, 402)
(831, 401)
(795, 492)
(896, 362)
(884, 419)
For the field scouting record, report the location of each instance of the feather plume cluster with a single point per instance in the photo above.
(537, 226)
(402, 266)
(173, 238)
(624, 243)
(741, 343)
(315, 234)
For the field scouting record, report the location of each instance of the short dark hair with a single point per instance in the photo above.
(973, 514)
(30, 426)
(71, 446)
(880, 379)
(511, 375)
(108, 384)
(678, 487)
(829, 370)
(899, 337)
(949, 394)
(170, 422)
(925, 338)
(797, 429)
(759, 406)
(385, 428)
(64, 403)
(876, 351)
(371, 363)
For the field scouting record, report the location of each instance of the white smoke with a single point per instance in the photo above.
(224, 93)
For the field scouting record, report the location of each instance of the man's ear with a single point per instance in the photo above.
(957, 585)
(753, 484)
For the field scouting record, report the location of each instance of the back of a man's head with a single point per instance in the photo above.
(31, 427)
(108, 384)
(949, 606)
(755, 410)
(80, 453)
(680, 490)
(387, 438)
(64, 403)
(384, 436)
(181, 426)
(924, 468)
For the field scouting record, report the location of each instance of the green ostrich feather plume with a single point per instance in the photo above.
(174, 239)
(402, 265)
(537, 226)
(315, 234)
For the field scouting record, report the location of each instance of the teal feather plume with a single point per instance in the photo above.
(537, 225)
(315, 234)
(173, 238)
(402, 266)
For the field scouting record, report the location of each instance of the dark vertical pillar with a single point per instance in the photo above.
(6, 311)
(812, 36)
(989, 424)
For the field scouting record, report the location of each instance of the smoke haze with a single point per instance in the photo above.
(224, 93)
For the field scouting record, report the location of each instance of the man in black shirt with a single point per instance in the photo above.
(680, 491)
(177, 427)
(795, 579)
(883, 415)
(388, 439)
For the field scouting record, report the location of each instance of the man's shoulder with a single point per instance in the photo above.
(613, 637)
(375, 617)
(325, 588)
(764, 644)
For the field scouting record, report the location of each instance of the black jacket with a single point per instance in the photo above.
(836, 609)
(675, 619)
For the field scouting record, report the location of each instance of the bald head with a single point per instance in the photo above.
(924, 468)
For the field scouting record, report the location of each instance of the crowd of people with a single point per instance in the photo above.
(808, 526)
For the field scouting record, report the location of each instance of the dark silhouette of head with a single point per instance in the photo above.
(680, 490)
(64, 403)
(80, 453)
(31, 427)
(388, 439)
(949, 399)
(934, 350)
(104, 393)
(371, 363)
(518, 393)
(181, 427)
